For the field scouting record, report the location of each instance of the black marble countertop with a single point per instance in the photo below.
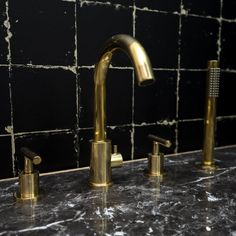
(187, 202)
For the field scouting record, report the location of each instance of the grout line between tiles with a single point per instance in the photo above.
(77, 94)
(10, 129)
(69, 131)
(183, 11)
(220, 30)
(133, 78)
(53, 132)
(74, 68)
(178, 80)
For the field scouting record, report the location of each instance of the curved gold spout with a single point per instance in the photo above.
(100, 165)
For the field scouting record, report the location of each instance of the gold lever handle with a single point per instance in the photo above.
(30, 158)
(36, 159)
(28, 178)
(162, 141)
(156, 159)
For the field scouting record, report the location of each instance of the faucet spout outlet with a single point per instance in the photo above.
(100, 163)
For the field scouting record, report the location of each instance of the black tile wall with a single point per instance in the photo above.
(161, 5)
(43, 99)
(48, 50)
(190, 135)
(6, 158)
(117, 3)
(228, 46)
(192, 94)
(224, 133)
(43, 35)
(229, 7)
(199, 41)
(157, 102)
(203, 8)
(3, 32)
(162, 46)
(5, 105)
(226, 106)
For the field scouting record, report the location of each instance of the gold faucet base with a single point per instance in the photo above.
(211, 167)
(19, 198)
(100, 164)
(28, 187)
(103, 185)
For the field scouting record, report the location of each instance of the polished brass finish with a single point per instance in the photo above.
(100, 164)
(156, 158)
(116, 158)
(212, 90)
(29, 178)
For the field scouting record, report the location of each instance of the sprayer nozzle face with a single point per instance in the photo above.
(214, 81)
(146, 82)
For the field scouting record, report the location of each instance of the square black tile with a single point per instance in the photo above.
(6, 158)
(84, 146)
(227, 95)
(156, 102)
(57, 151)
(143, 145)
(43, 99)
(103, 22)
(120, 136)
(228, 47)
(118, 97)
(162, 5)
(3, 33)
(203, 8)
(5, 105)
(192, 90)
(228, 10)
(190, 136)
(158, 34)
(225, 134)
(86, 98)
(43, 35)
(199, 41)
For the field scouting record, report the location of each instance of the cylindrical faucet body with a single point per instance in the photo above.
(100, 163)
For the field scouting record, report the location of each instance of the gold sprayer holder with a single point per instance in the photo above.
(212, 93)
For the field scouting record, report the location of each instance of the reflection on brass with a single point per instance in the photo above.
(29, 178)
(156, 158)
(116, 158)
(100, 163)
(212, 92)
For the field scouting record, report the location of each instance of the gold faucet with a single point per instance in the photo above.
(212, 92)
(100, 162)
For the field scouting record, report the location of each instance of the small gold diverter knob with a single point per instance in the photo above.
(29, 178)
(116, 158)
(156, 158)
